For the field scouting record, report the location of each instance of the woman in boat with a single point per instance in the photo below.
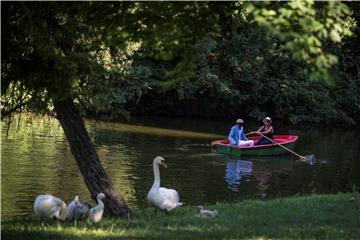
(267, 130)
(237, 136)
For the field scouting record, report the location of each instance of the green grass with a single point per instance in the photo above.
(312, 217)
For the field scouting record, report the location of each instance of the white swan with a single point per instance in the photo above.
(205, 213)
(95, 214)
(77, 210)
(48, 206)
(159, 197)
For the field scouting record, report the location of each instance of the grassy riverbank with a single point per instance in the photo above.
(313, 217)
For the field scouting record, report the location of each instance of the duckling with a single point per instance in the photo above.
(95, 214)
(205, 213)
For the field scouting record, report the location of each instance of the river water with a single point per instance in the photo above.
(36, 159)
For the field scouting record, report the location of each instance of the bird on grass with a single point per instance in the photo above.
(162, 198)
(95, 213)
(77, 210)
(201, 212)
(49, 207)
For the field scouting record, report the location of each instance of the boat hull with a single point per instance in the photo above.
(288, 141)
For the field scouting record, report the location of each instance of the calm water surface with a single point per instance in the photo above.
(36, 159)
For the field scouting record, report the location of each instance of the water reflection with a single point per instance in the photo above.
(236, 171)
(259, 170)
(36, 159)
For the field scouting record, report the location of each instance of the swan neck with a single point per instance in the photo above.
(156, 183)
(64, 211)
(100, 203)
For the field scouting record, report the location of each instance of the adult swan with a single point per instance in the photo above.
(48, 206)
(159, 197)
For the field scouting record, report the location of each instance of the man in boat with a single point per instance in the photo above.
(237, 136)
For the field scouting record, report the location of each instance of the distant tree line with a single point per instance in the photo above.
(245, 70)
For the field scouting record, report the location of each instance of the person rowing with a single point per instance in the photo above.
(267, 130)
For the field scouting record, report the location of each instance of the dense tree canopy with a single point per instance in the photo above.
(290, 65)
(252, 80)
(60, 49)
(251, 59)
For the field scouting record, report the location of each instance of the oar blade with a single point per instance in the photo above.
(309, 159)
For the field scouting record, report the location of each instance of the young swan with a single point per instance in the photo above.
(48, 206)
(95, 214)
(77, 210)
(82, 211)
(160, 197)
(205, 213)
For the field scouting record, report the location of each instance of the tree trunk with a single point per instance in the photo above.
(94, 175)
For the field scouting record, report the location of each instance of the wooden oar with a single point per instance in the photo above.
(301, 158)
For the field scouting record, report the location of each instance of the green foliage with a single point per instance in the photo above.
(62, 49)
(245, 71)
(44, 50)
(208, 58)
(305, 28)
(108, 91)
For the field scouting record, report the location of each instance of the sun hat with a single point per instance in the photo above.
(239, 120)
(267, 119)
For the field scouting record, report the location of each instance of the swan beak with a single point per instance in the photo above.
(163, 164)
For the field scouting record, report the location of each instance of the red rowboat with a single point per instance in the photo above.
(288, 141)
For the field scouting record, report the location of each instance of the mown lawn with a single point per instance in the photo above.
(313, 217)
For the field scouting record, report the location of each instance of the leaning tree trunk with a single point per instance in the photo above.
(94, 175)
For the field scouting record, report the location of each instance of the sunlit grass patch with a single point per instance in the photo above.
(312, 217)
